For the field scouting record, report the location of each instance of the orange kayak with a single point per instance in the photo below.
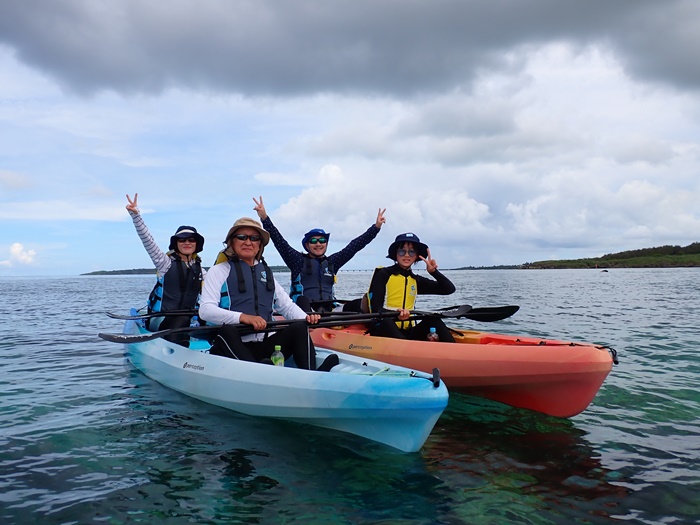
(559, 378)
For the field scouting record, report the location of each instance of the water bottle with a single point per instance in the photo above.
(432, 335)
(277, 356)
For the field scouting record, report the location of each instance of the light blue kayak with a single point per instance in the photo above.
(385, 403)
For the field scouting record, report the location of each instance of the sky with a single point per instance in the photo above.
(499, 132)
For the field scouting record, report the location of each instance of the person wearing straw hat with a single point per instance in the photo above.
(179, 273)
(242, 290)
(396, 288)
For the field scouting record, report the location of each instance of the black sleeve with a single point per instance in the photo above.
(439, 285)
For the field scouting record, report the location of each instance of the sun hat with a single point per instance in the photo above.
(316, 232)
(247, 222)
(421, 248)
(185, 232)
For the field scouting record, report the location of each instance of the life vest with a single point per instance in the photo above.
(249, 289)
(178, 288)
(401, 292)
(315, 281)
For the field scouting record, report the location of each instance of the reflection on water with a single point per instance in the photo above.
(520, 462)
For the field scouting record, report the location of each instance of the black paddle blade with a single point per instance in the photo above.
(149, 336)
(128, 338)
(491, 314)
(168, 313)
(451, 312)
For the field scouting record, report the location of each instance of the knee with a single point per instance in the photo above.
(297, 329)
(304, 303)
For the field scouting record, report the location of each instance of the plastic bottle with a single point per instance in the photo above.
(432, 335)
(277, 357)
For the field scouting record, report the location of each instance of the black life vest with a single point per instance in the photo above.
(178, 288)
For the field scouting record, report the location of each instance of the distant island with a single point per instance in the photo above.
(152, 271)
(659, 257)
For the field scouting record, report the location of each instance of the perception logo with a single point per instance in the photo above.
(359, 347)
(192, 367)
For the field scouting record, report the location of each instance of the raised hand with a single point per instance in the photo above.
(380, 218)
(260, 208)
(133, 206)
(430, 263)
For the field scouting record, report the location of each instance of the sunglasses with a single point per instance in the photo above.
(403, 252)
(315, 240)
(244, 237)
(191, 240)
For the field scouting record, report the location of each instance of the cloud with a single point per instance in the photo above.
(500, 132)
(19, 256)
(402, 47)
(10, 181)
(59, 210)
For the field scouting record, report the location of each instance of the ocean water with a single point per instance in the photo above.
(85, 438)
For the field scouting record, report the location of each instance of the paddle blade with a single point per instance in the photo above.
(169, 313)
(452, 312)
(491, 314)
(128, 338)
(149, 336)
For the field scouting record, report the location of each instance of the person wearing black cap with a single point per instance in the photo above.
(396, 287)
(313, 273)
(179, 273)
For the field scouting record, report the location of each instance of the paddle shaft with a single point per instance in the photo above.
(329, 320)
(487, 314)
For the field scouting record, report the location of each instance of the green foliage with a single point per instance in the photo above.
(659, 257)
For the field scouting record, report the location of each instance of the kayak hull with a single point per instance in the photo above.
(557, 378)
(388, 404)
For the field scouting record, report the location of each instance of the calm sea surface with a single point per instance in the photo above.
(85, 438)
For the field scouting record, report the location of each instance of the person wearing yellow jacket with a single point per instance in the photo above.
(396, 288)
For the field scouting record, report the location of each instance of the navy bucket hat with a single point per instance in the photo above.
(316, 232)
(184, 232)
(421, 248)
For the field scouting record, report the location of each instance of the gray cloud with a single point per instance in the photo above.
(385, 47)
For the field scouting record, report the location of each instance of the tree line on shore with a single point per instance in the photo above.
(667, 256)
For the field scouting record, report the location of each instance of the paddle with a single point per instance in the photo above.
(330, 320)
(485, 314)
(488, 314)
(451, 312)
(149, 336)
(168, 313)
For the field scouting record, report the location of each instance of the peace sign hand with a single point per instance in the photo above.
(260, 208)
(430, 263)
(132, 207)
(380, 218)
